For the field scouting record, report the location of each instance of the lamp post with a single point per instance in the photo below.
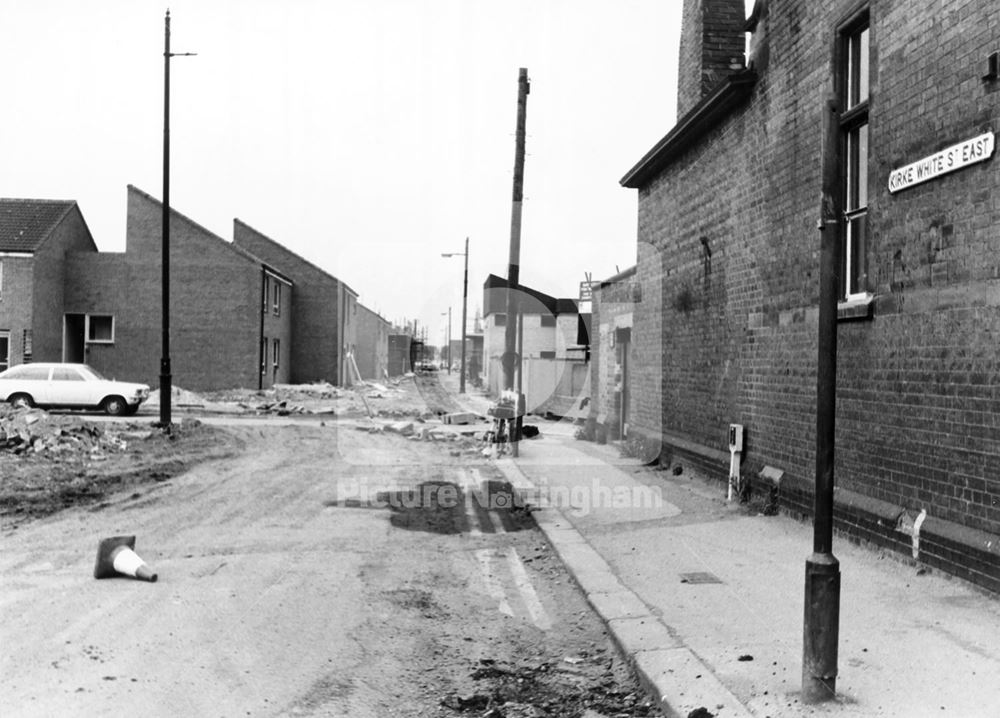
(465, 302)
(449, 339)
(166, 378)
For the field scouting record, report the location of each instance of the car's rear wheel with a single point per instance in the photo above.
(22, 401)
(115, 405)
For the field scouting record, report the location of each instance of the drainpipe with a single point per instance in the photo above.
(260, 339)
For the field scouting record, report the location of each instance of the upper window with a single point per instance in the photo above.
(499, 320)
(277, 298)
(854, 71)
(548, 320)
(100, 329)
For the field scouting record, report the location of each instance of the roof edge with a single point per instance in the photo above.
(699, 120)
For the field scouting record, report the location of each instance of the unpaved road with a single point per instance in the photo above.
(322, 571)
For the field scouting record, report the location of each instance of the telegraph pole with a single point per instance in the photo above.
(821, 627)
(510, 358)
(166, 379)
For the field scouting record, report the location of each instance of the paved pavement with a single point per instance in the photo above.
(707, 598)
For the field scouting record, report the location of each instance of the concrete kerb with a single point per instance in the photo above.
(670, 671)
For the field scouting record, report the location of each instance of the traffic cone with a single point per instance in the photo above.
(115, 556)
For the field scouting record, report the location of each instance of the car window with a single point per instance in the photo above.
(92, 372)
(66, 373)
(27, 372)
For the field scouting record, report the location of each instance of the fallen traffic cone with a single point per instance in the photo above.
(115, 556)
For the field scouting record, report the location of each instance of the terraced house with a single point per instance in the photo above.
(237, 318)
(730, 206)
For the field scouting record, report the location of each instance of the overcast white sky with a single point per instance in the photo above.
(366, 136)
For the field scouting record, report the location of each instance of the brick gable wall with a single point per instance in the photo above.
(733, 338)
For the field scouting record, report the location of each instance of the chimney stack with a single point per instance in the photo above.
(712, 47)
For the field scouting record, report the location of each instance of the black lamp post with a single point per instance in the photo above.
(465, 301)
(166, 379)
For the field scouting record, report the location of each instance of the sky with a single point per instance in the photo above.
(368, 137)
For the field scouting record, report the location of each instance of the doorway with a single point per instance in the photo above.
(74, 338)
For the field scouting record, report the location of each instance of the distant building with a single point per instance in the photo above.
(555, 346)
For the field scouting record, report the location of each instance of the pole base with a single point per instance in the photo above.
(821, 630)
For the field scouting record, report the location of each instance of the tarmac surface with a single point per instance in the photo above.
(707, 598)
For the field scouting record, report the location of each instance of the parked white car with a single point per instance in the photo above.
(69, 386)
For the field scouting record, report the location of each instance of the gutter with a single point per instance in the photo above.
(702, 117)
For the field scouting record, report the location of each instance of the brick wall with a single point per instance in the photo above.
(733, 318)
(316, 322)
(613, 308)
(372, 352)
(16, 309)
(215, 302)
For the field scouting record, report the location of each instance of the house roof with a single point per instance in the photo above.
(552, 304)
(26, 223)
(703, 117)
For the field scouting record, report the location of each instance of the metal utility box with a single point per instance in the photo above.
(736, 437)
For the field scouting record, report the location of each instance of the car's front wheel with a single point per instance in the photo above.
(21, 401)
(115, 405)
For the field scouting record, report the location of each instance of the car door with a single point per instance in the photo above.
(69, 387)
(32, 380)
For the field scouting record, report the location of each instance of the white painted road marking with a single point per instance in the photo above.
(531, 601)
(484, 556)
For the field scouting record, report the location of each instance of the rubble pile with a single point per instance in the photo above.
(33, 431)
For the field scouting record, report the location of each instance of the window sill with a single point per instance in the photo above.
(856, 308)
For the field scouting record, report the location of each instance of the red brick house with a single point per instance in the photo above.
(230, 312)
(35, 238)
(728, 259)
(324, 322)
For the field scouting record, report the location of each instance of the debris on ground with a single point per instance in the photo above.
(49, 461)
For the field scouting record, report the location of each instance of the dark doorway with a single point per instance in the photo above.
(74, 338)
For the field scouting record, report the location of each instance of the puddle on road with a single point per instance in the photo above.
(444, 507)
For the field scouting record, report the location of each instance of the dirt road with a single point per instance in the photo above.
(322, 571)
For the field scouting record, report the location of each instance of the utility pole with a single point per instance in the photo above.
(166, 379)
(510, 358)
(821, 627)
(465, 303)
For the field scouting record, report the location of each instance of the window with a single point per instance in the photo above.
(499, 320)
(65, 373)
(548, 320)
(100, 329)
(547, 355)
(275, 353)
(853, 76)
(26, 349)
(277, 298)
(1, 279)
(4, 351)
(29, 372)
(266, 293)
(263, 355)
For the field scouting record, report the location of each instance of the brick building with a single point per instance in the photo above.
(238, 316)
(612, 307)
(229, 311)
(728, 261)
(372, 348)
(324, 321)
(35, 238)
